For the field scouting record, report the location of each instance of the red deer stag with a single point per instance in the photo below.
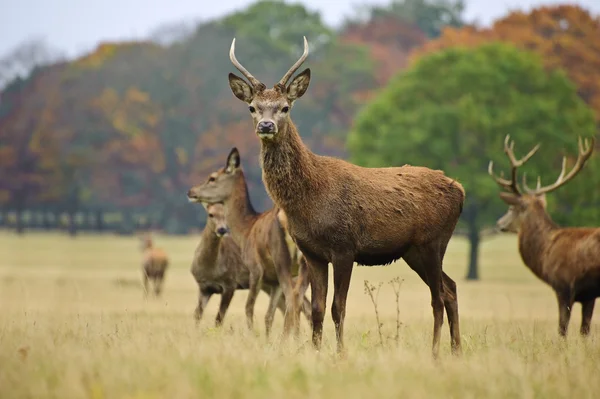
(567, 258)
(154, 265)
(260, 236)
(341, 213)
(218, 268)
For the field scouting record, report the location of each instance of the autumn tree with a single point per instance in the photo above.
(452, 109)
(566, 36)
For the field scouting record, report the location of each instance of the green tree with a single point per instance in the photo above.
(452, 109)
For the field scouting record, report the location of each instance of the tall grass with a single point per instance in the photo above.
(73, 324)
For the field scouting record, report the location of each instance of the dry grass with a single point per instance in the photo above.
(73, 324)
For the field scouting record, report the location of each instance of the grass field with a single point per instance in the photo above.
(73, 324)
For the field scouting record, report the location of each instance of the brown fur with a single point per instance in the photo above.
(260, 237)
(218, 268)
(154, 265)
(341, 213)
(567, 259)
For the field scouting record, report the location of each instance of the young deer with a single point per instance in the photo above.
(154, 264)
(260, 237)
(567, 259)
(218, 269)
(341, 213)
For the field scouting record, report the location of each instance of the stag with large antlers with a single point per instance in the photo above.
(342, 213)
(567, 259)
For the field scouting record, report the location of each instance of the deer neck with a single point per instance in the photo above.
(289, 170)
(535, 237)
(210, 244)
(239, 212)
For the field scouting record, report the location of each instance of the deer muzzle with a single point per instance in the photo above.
(266, 129)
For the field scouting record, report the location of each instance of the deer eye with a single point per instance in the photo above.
(210, 215)
(252, 109)
(285, 109)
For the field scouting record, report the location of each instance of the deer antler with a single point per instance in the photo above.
(294, 67)
(509, 150)
(585, 151)
(253, 81)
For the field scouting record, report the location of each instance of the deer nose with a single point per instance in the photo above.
(221, 231)
(191, 194)
(266, 126)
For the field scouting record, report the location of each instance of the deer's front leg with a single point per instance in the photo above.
(342, 273)
(203, 298)
(226, 298)
(565, 304)
(256, 274)
(319, 274)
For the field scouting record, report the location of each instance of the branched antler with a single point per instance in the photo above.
(509, 149)
(585, 152)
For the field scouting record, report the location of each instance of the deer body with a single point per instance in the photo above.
(565, 258)
(154, 265)
(262, 242)
(342, 213)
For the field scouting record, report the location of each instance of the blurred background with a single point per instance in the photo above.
(110, 110)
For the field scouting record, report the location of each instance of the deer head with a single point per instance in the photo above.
(145, 241)
(220, 184)
(522, 200)
(216, 216)
(270, 108)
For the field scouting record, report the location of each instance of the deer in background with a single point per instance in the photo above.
(260, 236)
(342, 213)
(565, 258)
(218, 268)
(154, 264)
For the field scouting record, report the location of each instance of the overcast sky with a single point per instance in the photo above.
(76, 26)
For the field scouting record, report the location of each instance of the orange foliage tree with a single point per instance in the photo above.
(566, 36)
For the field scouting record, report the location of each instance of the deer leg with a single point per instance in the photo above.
(284, 276)
(427, 263)
(451, 304)
(253, 290)
(158, 281)
(203, 298)
(342, 272)
(302, 281)
(319, 275)
(275, 301)
(145, 283)
(226, 298)
(565, 303)
(587, 310)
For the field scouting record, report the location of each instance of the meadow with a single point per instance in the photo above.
(74, 324)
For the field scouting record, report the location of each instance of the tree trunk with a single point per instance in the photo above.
(20, 227)
(474, 241)
(99, 221)
(72, 223)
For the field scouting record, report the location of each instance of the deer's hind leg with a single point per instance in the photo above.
(587, 310)
(425, 260)
(275, 301)
(450, 296)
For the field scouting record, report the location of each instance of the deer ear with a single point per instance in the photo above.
(510, 198)
(299, 85)
(240, 88)
(233, 160)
